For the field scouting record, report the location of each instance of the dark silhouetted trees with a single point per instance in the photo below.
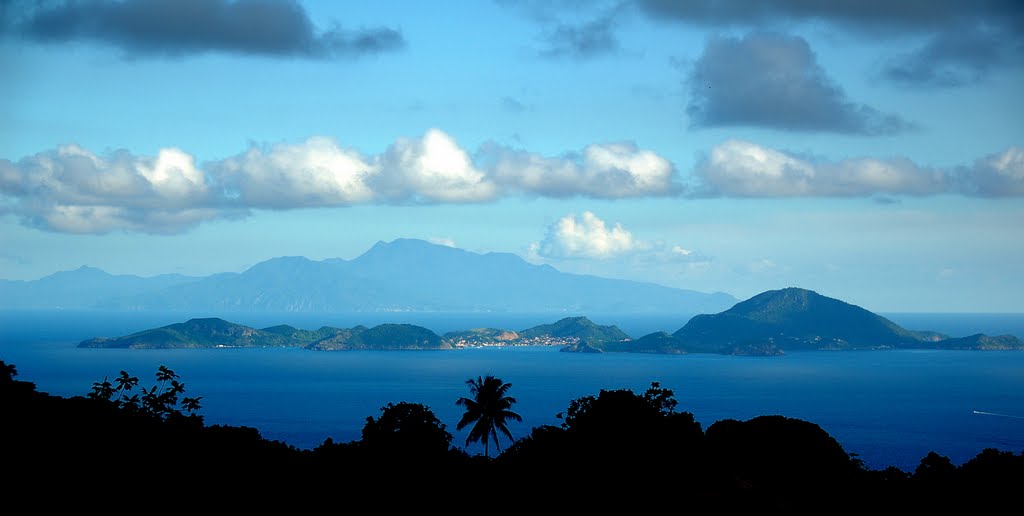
(406, 432)
(616, 441)
(160, 401)
(780, 462)
(488, 410)
(614, 450)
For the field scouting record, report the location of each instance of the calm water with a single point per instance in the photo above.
(889, 407)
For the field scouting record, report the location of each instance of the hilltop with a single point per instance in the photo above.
(795, 319)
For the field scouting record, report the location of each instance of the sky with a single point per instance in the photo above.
(871, 151)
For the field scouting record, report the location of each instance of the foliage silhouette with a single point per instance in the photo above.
(487, 410)
(766, 458)
(7, 372)
(617, 434)
(615, 450)
(161, 401)
(406, 429)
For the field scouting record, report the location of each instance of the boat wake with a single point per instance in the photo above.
(997, 414)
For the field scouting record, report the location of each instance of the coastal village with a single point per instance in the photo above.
(508, 339)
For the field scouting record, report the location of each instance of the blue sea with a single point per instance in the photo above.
(890, 408)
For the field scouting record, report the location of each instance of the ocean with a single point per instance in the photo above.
(890, 408)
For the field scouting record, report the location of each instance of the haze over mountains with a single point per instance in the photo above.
(405, 275)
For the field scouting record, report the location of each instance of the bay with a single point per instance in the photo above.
(889, 407)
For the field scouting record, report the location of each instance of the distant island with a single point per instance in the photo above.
(404, 275)
(217, 333)
(770, 323)
(796, 319)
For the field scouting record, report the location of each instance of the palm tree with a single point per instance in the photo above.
(488, 409)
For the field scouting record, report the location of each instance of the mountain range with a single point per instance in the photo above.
(405, 275)
(770, 323)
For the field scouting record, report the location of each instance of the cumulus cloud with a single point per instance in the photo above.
(73, 190)
(743, 169)
(182, 27)
(586, 236)
(317, 172)
(964, 40)
(738, 168)
(998, 175)
(606, 171)
(774, 80)
(434, 169)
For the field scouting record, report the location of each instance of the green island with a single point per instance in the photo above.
(770, 323)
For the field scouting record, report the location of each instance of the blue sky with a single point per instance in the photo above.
(870, 151)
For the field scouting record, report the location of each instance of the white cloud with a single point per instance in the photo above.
(605, 171)
(746, 169)
(73, 190)
(434, 169)
(586, 236)
(680, 251)
(743, 169)
(317, 172)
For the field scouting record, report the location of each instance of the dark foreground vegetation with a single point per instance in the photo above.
(128, 445)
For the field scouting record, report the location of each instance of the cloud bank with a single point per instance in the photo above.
(183, 27)
(738, 168)
(774, 80)
(71, 189)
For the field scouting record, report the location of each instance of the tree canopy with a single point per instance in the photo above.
(488, 410)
